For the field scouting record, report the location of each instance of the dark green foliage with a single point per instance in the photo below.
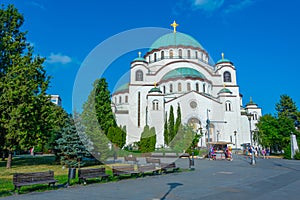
(171, 125)
(71, 148)
(104, 113)
(166, 131)
(117, 136)
(183, 139)
(99, 141)
(28, 118)
(178, 119)
(148, 140)
(274, 132)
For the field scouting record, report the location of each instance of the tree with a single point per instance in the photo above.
(70, 145)
(103, 105)
(26, 111)
(286, 107)
(148, 140)
(166, 131)
(117, 136)
(171, 125)
(95, 133)
(183, 139)
(178, 120)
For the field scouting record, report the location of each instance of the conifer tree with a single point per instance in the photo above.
(178, 119)
(148, 140)
(103, 105)
(166, 131)
(171, 126)
(70, 145)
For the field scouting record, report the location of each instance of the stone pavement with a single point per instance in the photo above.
(268, 179)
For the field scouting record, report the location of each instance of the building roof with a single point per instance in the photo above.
(155, 89)
(225, 90)
(122, 88)
(183, 72)
(172, 39)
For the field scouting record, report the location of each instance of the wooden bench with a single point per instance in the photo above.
(155, 161)
(128, 159)
(157, 154)
(169, 167)
(171, 155)
(25, 179)
(124, 170)
(150, 169)
(84, 174)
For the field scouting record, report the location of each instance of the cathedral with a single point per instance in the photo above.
(177, 71)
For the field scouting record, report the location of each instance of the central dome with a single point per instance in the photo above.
(173, 39)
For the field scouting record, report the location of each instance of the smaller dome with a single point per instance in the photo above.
(251, 102)
(223, 60)
(139, 59)
(155, 89)
(225, 90)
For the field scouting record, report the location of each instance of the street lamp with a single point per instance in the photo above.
(218, 133)
(235, 141)
(249, 115)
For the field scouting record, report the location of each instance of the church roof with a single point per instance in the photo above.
(172, 39)
(183, 72)
(155, 89)
(122, 88)
(139, 59)
(225, 90)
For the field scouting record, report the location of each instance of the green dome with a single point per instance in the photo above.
(155, 89)
(123, 88)
(225, 90)
(139, 59)
(223, 60)
(177, 38)
(183, 72)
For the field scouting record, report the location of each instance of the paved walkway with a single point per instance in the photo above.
(268, 179)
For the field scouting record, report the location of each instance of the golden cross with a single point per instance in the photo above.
(222, 56)
(140, 54)
(174, 26)
(154, 84)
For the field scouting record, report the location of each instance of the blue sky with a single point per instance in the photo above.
(261, 37)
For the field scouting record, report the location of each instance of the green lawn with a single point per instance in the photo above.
(32, 164)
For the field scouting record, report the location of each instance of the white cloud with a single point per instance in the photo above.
(58, 58)
(238, 6)
(208, 5)
(38, 5)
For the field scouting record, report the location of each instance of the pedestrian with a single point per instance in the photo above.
(267, 153)
(263, 152)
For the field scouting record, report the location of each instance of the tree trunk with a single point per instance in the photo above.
(9, 160)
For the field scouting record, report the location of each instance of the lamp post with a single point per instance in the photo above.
(249, 115)
(207, 127)
(235, 141)
(218, 133)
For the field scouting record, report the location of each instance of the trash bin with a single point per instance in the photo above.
(72, 173)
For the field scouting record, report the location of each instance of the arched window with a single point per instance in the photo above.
(120, 99)
(171, 53)
(189, 53)
(180, 53)
(197, 87)
(204, 88)
(162, 55)
(255, 116)
(154, 57)
(179, 87)
(164, 89)
(116, 100)
(188, 87)
(196, 54)
(171, 88)
(126, 99)
(228, 106)
(139, 75)
(155, 104)
(227, 76)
